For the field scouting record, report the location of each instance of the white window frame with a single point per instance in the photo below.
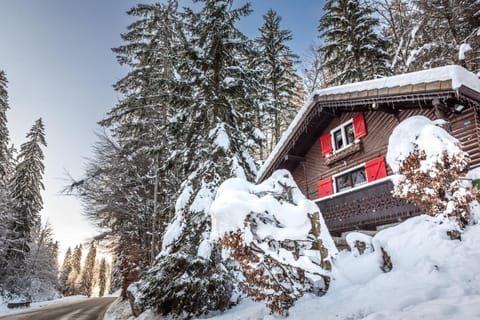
(344, 135)
(334, 177)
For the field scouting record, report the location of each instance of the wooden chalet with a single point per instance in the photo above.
(335, 147)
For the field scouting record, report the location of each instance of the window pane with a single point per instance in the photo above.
(359, 177)
(337, 136)
(350, 133)
(344, 182)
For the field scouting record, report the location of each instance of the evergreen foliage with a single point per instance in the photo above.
(65, 272)
(352, 49)
(27, 181)
(217, 118)
(4, 134)
(282, 98)
(87, 279)
(102, 277)
(72, 286)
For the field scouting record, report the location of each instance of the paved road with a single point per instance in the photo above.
(91, 309)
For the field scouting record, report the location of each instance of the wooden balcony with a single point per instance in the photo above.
(365, 208)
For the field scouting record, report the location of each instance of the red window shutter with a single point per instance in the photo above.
(376, 169)
(325, 187)
(359, 126)
(326, 144)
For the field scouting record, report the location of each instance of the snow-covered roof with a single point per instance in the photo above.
(457, 77)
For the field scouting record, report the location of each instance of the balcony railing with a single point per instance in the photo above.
(365, 208)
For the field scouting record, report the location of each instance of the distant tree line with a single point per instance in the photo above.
(91, 280)
(202, 102)
(28, 253)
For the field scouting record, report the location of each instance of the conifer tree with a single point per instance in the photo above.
(278, 79)
(26, 202)
(5, 204)
(130, 186)
(66, 270)
(352, 49)
(73, 287)
(86, 283)
(4, 134)
(217, 122)
(102, 277)
(27, 182)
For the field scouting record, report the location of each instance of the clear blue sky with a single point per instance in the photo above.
(57, 57)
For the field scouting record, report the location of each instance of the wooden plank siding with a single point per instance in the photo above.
(465, 127)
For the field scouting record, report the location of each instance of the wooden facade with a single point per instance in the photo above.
(370, 204)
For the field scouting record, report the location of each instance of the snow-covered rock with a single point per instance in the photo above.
(277, 236)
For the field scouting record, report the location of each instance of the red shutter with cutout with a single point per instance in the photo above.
(359, 126)
(376, 169)
(325, 187)
(326, 144)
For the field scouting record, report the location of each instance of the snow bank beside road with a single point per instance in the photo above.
(6, 311)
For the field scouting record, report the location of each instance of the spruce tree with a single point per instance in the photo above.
(5, 205)
(4, 134)
(278, 79)
(217, 120)
(352, 49)
(102, 277)
(73, 281)
(66, 269)
(86, 282)
(27, 181)
(25, 189)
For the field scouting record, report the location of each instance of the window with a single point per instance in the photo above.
(351, 179)
(372, 170)
(343, 136)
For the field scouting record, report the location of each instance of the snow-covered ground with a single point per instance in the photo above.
(5, 311)
(432, 277)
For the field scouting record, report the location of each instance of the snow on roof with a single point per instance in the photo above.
(458, 75)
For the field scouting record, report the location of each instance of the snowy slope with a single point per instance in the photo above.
(433, 277)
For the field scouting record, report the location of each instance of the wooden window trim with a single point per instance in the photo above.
(344, 136)
(345, 172)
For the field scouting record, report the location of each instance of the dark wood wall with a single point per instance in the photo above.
(465, 127)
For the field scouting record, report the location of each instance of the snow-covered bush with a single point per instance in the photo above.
(429, 164)
(277, 236)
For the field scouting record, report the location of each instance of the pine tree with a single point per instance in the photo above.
(26, 200)
(4, 134)
(66, 270)
(27, 182)
(5, 203)
(352, 49)
(86, 282)
(102, 277)
(73, 280)
(130, 186)
(278, 79)
(218, 132)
